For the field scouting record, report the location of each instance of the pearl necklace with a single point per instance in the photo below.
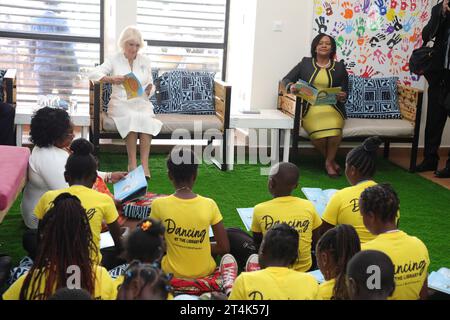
(325, 66)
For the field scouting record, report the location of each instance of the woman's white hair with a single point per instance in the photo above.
(131, 33)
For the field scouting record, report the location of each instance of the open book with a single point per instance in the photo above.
(440, 280)
(133, 186)
(316, 96)
(319, 197)
(132, 86)
(246, 215)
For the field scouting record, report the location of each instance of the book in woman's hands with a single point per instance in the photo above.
(132, 86)
(319, 197)
(133, 186)
(316, 96)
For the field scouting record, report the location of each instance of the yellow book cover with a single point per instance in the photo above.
(132, 86)
(317, 96)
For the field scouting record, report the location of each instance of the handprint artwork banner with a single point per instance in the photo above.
(375, 38)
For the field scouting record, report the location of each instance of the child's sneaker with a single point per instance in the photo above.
(228, 270)
(252, 263)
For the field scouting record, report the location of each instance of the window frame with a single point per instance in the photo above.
(201, 45)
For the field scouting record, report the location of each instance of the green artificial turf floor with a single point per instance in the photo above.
(425, 210)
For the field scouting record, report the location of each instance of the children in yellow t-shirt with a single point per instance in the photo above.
(276, 280)
(334, 249)
(63, 256)
(187, 218)
(144, 281)
(298, 213)
(343, 207)
(370, 276)
(144, 244)
(81, 173)
(379, 205)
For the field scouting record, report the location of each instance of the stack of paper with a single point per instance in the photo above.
(440, 280)
(318, 275)
(246, 215)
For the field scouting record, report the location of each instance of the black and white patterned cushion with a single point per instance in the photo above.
(118, 271)
(24, 266)
(372, 98)
(186, 92)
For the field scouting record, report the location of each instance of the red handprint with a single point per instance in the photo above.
(368, 72)
(403, 5)
(380, 56)
(394, 4)
(413, 5)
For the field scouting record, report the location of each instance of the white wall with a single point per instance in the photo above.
(118, 15)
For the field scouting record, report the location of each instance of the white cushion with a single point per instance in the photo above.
(175, 121)
(374, 127)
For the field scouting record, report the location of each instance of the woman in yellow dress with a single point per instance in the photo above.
(324, 123)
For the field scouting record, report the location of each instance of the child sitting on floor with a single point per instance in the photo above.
(298, 213)
(379, 205)
(343, 208)
(334, 249)
(276, 280)
(143, 281)
(65, 248)
(81, 173)
(361, 270)
(187, 217)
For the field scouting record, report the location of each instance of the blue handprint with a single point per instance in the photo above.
(349, 27)
(408, 24)
(381, 6)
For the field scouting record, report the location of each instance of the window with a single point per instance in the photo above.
(185, 34)
(52, 45)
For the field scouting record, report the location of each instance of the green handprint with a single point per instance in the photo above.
(360, 27)
(375, 25)
(339, 41)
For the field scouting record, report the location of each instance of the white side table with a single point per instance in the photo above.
(266, 119)
(24, 113)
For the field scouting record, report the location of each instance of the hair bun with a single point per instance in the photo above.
(81, 147)
(371, 144)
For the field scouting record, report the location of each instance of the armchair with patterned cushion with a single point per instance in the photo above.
(375, 107)
(189, 100)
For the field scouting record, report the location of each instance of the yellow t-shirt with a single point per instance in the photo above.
(298, 213)
(343, 208)
(275, 283)
(326, 289)
(104, 288)
(187, 223)
(411, 261)
(98, 207)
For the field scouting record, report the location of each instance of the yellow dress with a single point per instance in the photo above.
(324, 120)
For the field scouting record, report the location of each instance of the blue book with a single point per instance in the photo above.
(133, 186)
(318, 275)
(319, 197)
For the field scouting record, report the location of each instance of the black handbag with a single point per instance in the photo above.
(421, 60)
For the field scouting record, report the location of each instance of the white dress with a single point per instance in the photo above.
(45, 172)
(134, 115)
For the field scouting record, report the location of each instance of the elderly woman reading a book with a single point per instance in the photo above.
(322, 121)
(130, 74)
